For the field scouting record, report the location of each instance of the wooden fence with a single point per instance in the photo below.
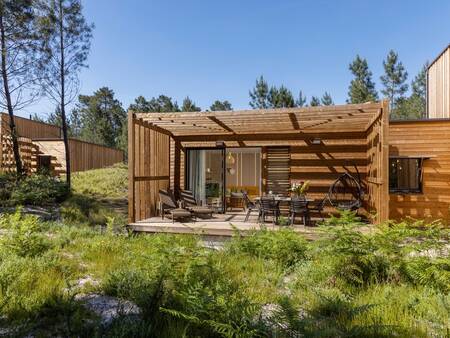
(83, 155)
(29, 128)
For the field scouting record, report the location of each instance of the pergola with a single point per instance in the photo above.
(156, 143)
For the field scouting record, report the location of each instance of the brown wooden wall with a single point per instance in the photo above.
(83, 155)
(438, 86)
(28, 152)
(148, 168)
(423, 139)
(29, 128)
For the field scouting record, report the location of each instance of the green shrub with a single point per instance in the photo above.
(24, 235)
(284, 246)
(38, 189)
(7, 183)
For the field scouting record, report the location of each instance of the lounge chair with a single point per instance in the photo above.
(191, 204)
(167, 202)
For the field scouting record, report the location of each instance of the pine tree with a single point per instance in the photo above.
(220, 106)
(280, 98)
(301, 101)
(189, 105)
(159, 104)
(67, 41)
(259, 95)
(414, 107)
(314, 101)
(327, 100)
(394, 80)
(20, 54)
(102, 117)
(362, 88)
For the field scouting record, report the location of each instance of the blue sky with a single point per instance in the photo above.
(216, 49)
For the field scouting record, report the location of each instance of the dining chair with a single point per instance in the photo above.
(270, 207)
(250, 206)
(299, 206)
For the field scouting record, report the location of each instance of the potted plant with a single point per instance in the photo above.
(299, 188)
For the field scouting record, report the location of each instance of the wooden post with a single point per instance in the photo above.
(177, 168)
(131, 170)
(384, 215)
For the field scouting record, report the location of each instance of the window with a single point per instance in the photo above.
(405, 175)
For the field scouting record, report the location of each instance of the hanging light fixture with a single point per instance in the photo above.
(230, 159)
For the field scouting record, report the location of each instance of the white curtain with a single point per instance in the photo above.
(197, 174)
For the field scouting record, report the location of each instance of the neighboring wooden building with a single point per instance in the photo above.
(179, 150)
(41, 146)
(438, 86)
(419, 154)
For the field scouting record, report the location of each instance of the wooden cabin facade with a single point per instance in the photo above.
(438, 86)
(41, 145)
(281, 146)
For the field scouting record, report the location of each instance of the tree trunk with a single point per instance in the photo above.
(63, 94)
(12, 125)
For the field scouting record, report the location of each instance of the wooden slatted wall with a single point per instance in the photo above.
(438, 86)
(148, 168)
(28, 152)
(423, 139)
(378, 166)
(277, 167)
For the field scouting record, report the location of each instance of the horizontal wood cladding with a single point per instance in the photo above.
(277, 167)
(438, 86)
(29, 128)
(423, 139)
(83, 155)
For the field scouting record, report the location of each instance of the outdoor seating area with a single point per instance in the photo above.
(218, 169)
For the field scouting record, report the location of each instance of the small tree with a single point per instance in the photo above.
(315, 101)
(19, 55)
(362, 88)
(189, 105)
(301, 101)
(68, 40)
(280, 98)
(327, 100)
(259, 95)
(220, 106)
(394, 80)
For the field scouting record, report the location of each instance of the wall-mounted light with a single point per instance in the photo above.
(230, 159)
(220, 144)
(316, 141)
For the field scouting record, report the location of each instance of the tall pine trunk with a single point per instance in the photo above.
(63, 94)
(12, 125)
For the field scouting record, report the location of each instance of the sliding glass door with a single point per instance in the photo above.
(205, 175)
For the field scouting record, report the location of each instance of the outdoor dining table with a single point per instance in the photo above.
(283, 198)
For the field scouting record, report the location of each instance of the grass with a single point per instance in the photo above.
(349, 283)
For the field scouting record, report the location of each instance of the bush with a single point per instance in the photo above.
(284, 246)
(23, 235)
(39, 189)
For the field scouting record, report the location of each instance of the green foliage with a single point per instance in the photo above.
(160, 104)
(327, 100)
(362, 88)
(394, 80)
(280, 97)
(101, 116)
(23, 236)
(283, 246)
(37, 189)
(259, 95)
(111, 182)
(301, 100)
(189, 105)
(220, 106)
(315, 101)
